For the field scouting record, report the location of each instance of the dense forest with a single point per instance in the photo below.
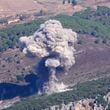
(92, 22)
(92, 89)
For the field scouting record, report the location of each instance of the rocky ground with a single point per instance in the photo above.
(85, 104)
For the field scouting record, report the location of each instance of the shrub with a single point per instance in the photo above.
(97, 41)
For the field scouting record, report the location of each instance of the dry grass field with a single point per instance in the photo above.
(13, 7)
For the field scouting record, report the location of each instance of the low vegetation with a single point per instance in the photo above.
(92, 89)
(96, 23)
(9, 37)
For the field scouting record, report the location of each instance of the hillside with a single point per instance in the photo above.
(14, 7)
(20, 72)
(92, 47)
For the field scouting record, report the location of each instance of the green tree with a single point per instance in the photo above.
(74, 2)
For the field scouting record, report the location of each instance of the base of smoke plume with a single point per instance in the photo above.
(43, 72)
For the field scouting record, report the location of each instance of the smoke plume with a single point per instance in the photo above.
(56, 44)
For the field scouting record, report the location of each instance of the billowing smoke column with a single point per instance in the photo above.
(56, 43)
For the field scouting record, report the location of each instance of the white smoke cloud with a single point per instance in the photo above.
(51, 38)
(52, 62)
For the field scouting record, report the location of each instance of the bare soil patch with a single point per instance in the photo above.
(14, 63)
(92, 62)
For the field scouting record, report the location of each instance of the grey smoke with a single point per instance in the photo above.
(51, 39)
